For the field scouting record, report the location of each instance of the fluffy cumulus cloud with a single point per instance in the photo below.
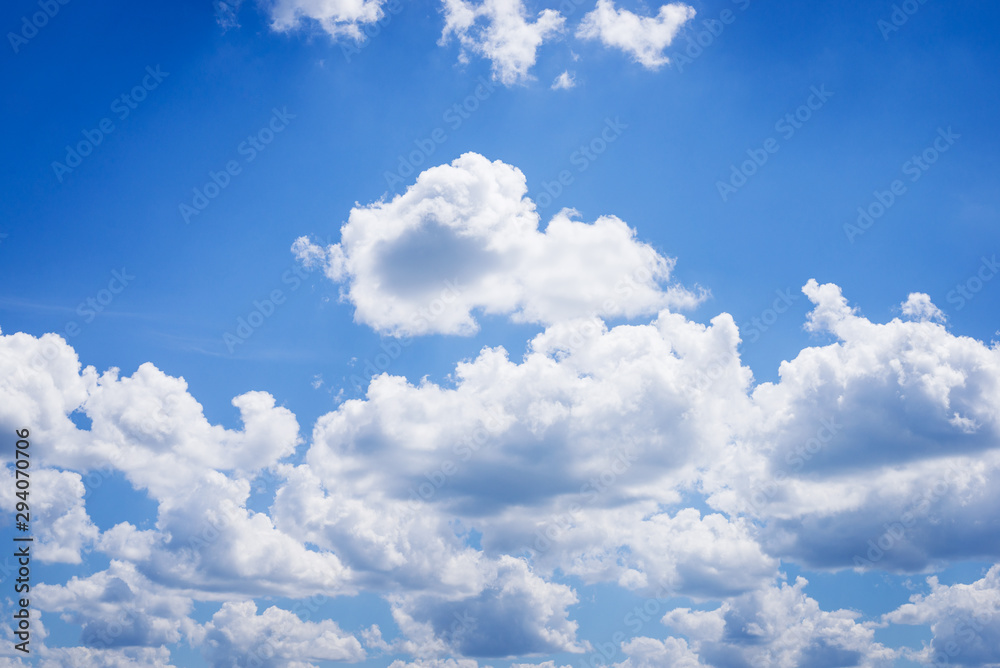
(636, 454)
(964, 620)
(336, 17)
(778, 626)
(652, 653)
(87, 657)
(876, 450)
(118, 607)
(501, 31)
(919, 307)
(515, 612)
(238, 636)
(465, 237)
(642, 37)
(62, 527)
(436, 663)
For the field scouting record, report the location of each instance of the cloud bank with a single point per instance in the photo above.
(638, 454)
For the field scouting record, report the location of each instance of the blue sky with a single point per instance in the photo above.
(735, 257)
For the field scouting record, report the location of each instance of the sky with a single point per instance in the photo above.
(509, 333)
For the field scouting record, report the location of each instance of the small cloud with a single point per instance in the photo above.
(317, 381)
(564, 81)
(501, 32)
(226, 13)
(919, 306)
(643, 37)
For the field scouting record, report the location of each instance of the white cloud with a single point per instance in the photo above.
(514, 613)
(152, 430)
(778, 626)
(336, 17)
(238, 636)
(867, 444)
(643, 37)
(651, 653)
(60, 525)
(118, 607)
(465, 237)
(41, 384)
(918, 306)
(89, 657)
(124, 541)
(564, 81)
(965, 621)
(653, 553)
(500, 31)
(436, 663)
(227, 13)
(150, 427)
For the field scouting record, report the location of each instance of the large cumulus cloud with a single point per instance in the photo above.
(464, 238)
